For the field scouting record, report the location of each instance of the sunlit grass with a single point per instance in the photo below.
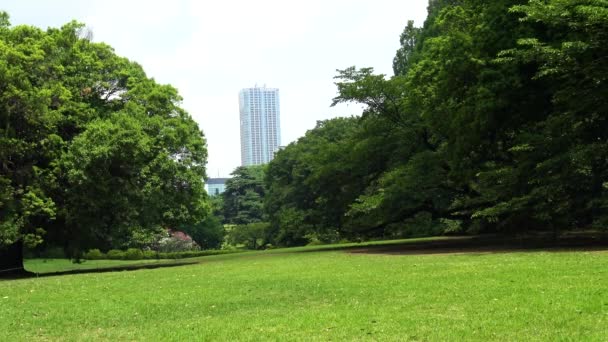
(330, 295)
(43, 266)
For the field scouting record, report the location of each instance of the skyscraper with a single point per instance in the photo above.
(260, 124)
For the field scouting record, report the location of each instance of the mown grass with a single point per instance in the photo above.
(324, 295)
(50, 265)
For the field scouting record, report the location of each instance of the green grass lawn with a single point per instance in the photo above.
(323, 295)
(42, 266)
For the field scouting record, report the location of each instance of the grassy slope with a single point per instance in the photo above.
(323, 296)
(43, 266)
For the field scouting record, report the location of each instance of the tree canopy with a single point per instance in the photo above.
(495, 121)
(91, 149)
(243, 200)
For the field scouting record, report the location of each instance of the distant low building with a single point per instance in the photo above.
(215, 186)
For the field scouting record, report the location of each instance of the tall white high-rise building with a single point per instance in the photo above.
(260, 124)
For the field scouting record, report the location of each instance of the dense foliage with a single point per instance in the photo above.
(495, 120)
(93, 153)
(243, 200)
(208, 233)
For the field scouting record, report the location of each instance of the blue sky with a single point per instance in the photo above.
(209, 50)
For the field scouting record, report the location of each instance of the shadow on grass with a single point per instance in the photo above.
(134, 267)
(479, 244)
(494, 244)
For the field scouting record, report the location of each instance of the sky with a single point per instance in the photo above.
(210, 50)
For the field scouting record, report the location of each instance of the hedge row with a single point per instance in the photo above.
(138, 254)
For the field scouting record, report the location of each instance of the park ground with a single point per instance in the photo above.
(384, 292)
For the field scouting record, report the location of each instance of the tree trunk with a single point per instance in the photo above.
(11, 260)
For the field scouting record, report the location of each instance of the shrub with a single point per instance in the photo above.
(168, 255)
(186, 254)
(115, 254)
(208, 233)
(192, 254)
(315, 242)
(137, 254)
(150, 255)
(94, 254)
(251, 235)
(176, 244)
(133, 254)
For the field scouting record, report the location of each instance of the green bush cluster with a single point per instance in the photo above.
(94, 254)
(138, 254)
(134, 254)
(115, 254)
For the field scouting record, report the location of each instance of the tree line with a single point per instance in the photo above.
(495, 121)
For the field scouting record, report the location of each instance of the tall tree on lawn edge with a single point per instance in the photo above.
(93, 153)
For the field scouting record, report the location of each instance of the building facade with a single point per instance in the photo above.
(215, 186)
(260, 124)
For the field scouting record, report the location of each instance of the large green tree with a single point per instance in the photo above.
(557, 170)
(311, 182)
(243, 200)
(499, 112)
(91, 149)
